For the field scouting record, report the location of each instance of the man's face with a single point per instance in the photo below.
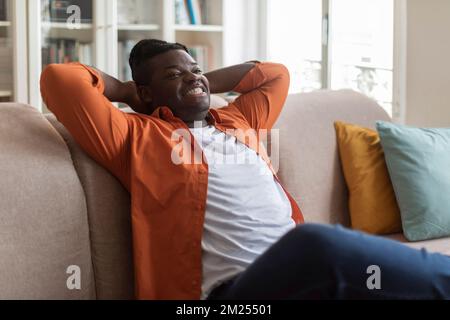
(178, 83)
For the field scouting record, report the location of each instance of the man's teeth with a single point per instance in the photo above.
(195, 91)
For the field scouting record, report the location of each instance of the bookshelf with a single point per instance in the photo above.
(138, 27)
(136, 20)
(55, 36)
(199, 24)
(7, 68)
(164, 21)
(63, 26)
(199, 28)
(110, 28)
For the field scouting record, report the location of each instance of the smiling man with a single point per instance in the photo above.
(218, 229)
(162, 82)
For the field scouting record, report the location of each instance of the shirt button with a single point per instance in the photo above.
(194, 282)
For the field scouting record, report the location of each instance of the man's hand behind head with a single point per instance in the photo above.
(133, 99)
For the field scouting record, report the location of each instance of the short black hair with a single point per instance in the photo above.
(147, 49)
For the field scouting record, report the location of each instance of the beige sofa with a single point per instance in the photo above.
(58, 208)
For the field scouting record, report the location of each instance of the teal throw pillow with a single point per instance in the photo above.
(418, 162)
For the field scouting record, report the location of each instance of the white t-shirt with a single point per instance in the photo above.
(246, 208)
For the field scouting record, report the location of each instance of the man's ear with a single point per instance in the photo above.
(145, 93)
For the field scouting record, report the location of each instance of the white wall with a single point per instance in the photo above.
(428, 63)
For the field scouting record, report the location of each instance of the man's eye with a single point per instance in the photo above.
(198, 71)
(173, 75)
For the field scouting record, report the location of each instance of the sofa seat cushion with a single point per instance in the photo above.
(437, 245)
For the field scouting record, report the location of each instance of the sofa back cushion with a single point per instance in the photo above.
(43, 218)
(309, 164)
(108, 205)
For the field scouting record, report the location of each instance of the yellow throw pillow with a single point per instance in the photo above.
(372, 203)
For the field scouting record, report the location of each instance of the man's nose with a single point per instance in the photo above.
(191, 76)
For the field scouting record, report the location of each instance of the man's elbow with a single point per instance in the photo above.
(57, 82)
(284, 72)
(51, 77)
(51, 72)
(280, 73)
(284, 77)
(61, 79)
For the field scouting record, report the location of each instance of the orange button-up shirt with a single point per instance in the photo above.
(168, 199)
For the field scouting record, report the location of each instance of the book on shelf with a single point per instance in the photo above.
(56, 10)
(193, 8)
(6, 64)
(66, 50)
(201, 54)
(85, 53)
(191, 12)
(181, 13)
(3, 10)
(204, 10)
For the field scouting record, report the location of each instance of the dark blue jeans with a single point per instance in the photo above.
(326, 262)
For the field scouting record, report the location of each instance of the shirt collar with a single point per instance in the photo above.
(166, 114)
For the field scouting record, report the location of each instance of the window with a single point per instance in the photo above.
(335, 44)
(294, 37)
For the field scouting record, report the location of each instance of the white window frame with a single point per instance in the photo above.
(20, 50)
(400, 47)
(400, 62)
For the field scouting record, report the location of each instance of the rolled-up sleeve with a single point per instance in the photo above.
(264, 90)
(74, 93)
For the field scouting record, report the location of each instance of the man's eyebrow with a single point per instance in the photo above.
(177, 66)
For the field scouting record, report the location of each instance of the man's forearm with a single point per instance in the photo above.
(115, 90)
(125, 92)
(226, 79)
